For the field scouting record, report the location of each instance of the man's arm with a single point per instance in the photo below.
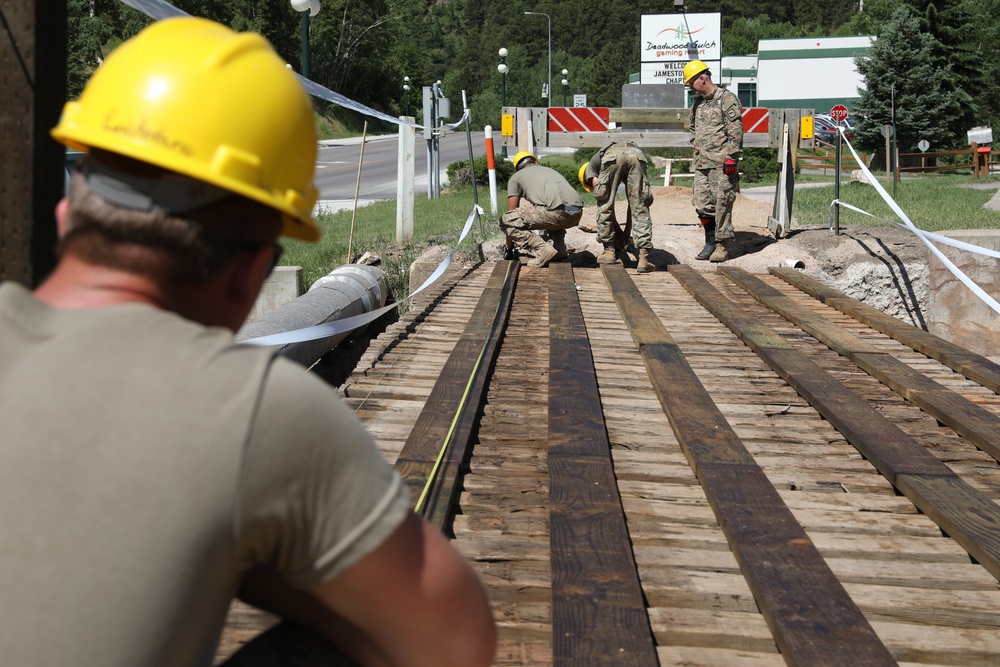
(416, 600)
(513, 201)
(412, 602)
(732, 116)
(327, 512)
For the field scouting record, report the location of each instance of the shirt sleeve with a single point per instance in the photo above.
(317, 494)
(732, 114)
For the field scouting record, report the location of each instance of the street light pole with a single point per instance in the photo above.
(548, 19)
(565, 83)
(406, 90)
(503, 69)
(307, 8)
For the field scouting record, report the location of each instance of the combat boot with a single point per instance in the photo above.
(709, 226)
(558, 240)
(543, 250)
(721, 252)
(609, 256)
(644, 265)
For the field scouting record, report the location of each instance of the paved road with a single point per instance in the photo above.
(337, 166)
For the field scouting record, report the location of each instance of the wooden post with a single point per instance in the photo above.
(32, 164)
(404, 182)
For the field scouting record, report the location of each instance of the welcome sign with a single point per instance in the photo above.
(667, 39)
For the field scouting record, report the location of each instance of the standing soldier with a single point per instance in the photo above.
(539, 198)
(617, 163)
(717, 139)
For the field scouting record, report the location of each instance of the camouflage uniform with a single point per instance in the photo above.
(716, 135)
(618, 163)
(548, 202)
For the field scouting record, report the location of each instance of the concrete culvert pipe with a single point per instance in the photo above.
(348, 290)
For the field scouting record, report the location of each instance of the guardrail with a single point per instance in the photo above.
(826, 159)
(979, 160)
(524, 128)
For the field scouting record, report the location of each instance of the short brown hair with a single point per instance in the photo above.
(187, 248)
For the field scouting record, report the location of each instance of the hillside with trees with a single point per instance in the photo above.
(943, 59)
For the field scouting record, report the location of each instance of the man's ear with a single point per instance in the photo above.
(62, 212)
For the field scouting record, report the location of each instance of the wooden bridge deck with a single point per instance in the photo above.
(696, 469)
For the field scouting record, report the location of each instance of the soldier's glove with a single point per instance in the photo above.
(729, 168)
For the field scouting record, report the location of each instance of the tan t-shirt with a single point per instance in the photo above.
(147, 463)
(543, 186)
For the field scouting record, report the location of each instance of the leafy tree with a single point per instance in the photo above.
(743, 35)
(609, 72)
(955, 34)
(87, 34)
(870, 21)
(984, 51)
(901, 67)
(821, 16)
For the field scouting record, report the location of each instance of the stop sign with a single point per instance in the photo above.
(839, 113)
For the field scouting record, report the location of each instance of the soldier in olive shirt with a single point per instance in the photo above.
(539, 198)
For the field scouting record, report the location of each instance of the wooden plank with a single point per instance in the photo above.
(576, 418)
(644, 326)
(831, 334)
(886, 447)
(598, 610)
(431, 457)
(700, 427)
(664, 115)
(651, 139)
(771, 547)
(494, 299)
(973, 366)
(976, 423)
(790, 580)
(960, 511)
(957, 412)
(894, 453)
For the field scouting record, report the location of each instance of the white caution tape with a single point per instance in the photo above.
(926, 237)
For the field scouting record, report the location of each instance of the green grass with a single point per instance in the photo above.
(436, 222)
(933, 202)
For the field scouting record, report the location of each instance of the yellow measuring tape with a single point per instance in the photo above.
(461, 405)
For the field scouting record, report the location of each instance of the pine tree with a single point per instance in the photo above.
(901, 69)
(955, 33)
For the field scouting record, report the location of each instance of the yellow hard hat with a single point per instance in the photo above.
(520, 156)
(692, 70)
(583, 179)
(194, 97)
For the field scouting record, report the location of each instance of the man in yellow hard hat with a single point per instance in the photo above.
(153, 469)
(613, 165)
(717, 139)
(540, 198)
